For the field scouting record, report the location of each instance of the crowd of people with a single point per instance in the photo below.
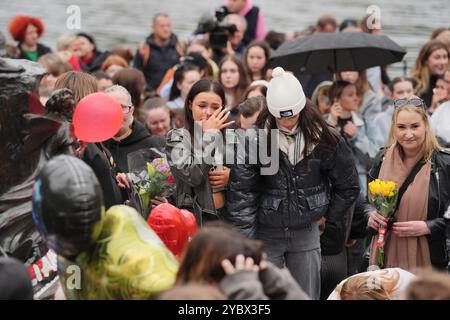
(306, 231)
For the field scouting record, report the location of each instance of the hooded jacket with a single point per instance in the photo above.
(139, 138)
(365, 144)
(271, 283)
(160, 60)
(370, 106)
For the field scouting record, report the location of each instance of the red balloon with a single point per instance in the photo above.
(168, 223)
(190, 221)
(97, 117)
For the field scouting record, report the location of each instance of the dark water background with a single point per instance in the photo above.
(126, 22)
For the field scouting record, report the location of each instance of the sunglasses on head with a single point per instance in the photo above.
(416, 102)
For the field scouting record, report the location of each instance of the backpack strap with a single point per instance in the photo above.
(181, 47)
(167, 78)
(144, 51)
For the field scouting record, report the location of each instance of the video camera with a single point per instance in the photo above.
(218, 31)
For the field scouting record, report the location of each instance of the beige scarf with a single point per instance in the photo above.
(406, 252)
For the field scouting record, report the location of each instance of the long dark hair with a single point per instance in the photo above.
(398, 80)
(314, 128)
(203, 85)
(263, 45)
(421, 72)
(134, 81)
(178, 78)
(336, 89)
(243, 83)
(216, 241)
(362, 84)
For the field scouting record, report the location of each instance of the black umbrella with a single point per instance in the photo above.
(335, 52)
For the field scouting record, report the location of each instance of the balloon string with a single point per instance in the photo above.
(3, 252)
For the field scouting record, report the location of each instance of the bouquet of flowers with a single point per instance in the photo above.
(383, 197)
(150, 177)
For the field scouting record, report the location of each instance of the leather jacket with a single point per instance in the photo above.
(438, 202)
(193, 190)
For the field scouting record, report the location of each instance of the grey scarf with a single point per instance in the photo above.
(292, 143)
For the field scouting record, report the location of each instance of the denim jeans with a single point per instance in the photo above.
(298, 250)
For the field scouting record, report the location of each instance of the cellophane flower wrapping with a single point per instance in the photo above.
(383, 197)
(150, 177)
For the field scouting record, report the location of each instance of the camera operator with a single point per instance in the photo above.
(236, 44)
(256, 28)
(225, 33)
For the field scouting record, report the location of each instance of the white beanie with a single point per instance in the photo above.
(285, 96)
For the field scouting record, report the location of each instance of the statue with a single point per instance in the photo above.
(29, 138)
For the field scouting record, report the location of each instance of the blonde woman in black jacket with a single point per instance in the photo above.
(416, 235)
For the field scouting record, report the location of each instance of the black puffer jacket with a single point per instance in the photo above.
(438, 201)
(324, 183)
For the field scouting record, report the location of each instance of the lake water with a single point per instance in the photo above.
(125, 23)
